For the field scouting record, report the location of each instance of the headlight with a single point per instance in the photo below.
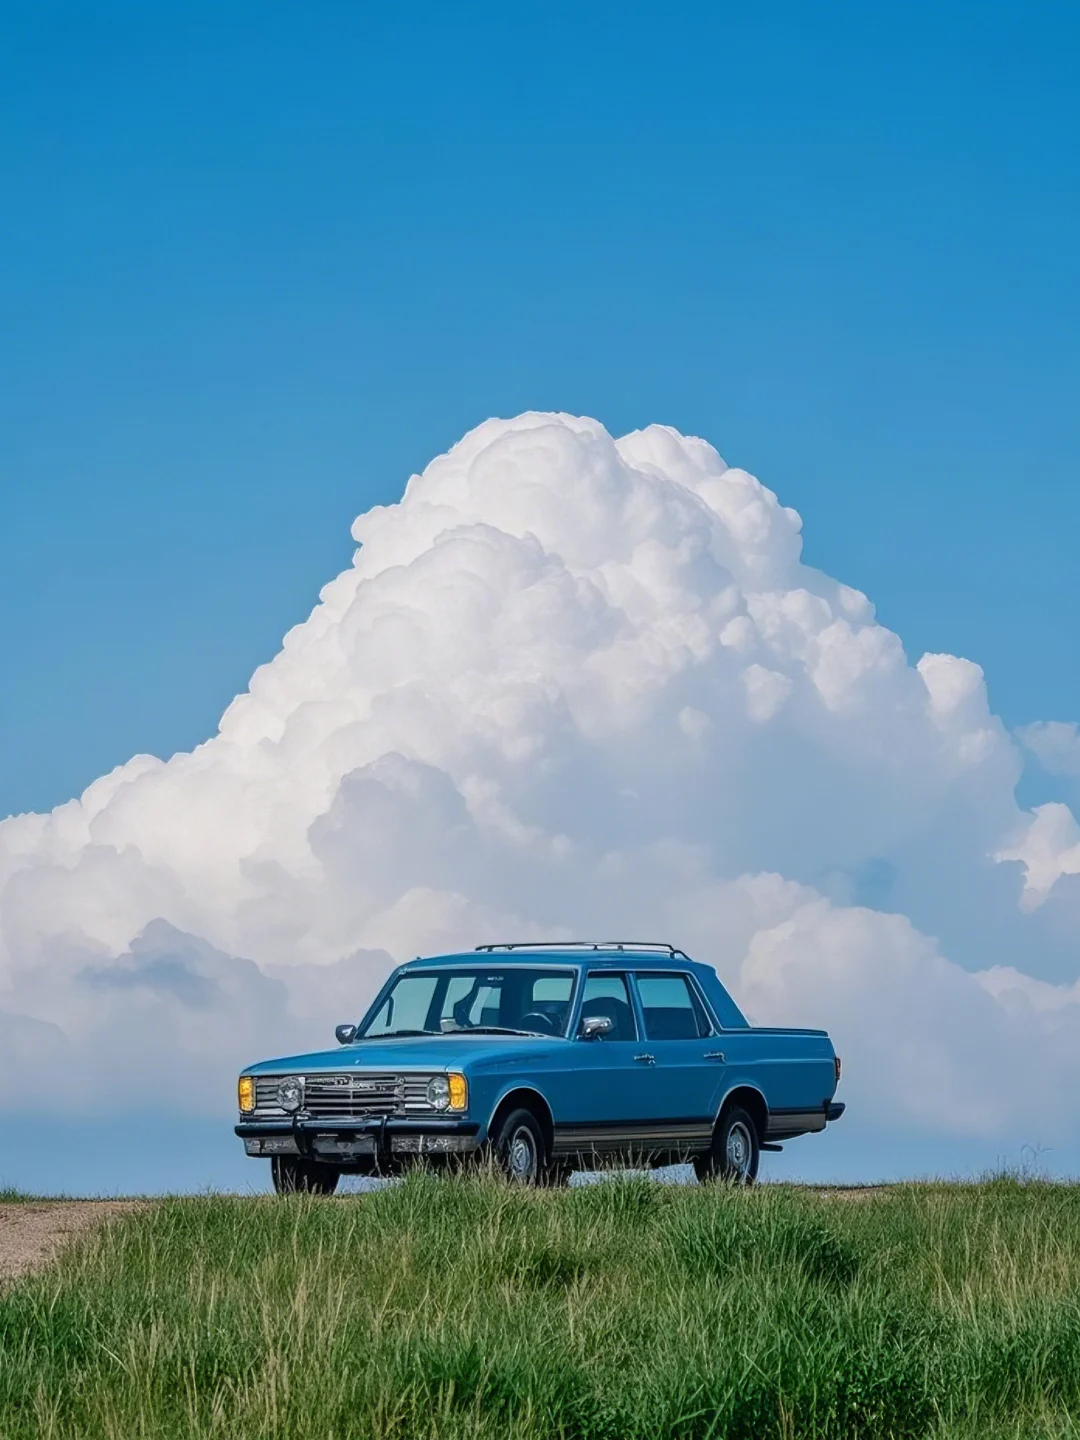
(290, 1093)
(245, 1093)
(448, 1092)
(459, 1092)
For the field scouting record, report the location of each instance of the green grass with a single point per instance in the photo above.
(454, 1308)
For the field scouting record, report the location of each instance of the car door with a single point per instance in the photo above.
(683, 1055)
(603, 1097)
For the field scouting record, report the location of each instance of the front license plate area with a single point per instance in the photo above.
(343, 1147)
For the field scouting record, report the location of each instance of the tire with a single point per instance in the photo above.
(293, 1175)
(519, 1150)
(557, 1175)
(736, 1150)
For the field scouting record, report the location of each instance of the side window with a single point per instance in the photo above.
(671, 1009)
(607, 994)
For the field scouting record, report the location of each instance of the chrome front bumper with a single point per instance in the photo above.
(346, 1141)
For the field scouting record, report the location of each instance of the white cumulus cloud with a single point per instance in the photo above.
(1056, 744)
(571, 685)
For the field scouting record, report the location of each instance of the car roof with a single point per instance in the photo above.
(630, 955)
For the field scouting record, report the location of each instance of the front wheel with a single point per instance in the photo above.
(735, 1150)
(293, 1175)
(519, 1149)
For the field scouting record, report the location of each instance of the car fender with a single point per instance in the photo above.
(731, 1085)
(508, 1087)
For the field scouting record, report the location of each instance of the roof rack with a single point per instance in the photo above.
(646, 945)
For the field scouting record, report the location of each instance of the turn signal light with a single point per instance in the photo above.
(245, 1093)
(459, 1091)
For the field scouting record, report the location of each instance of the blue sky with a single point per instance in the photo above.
(260, 263)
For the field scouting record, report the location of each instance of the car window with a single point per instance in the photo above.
(671, 1009)
(548, 1005)
(471, 1001)
(406, 1007)
(552, 989)
(514, 998)
(607, 994)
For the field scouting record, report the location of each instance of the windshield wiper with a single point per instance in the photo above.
(491, 1030)
(397, 1034)
(461, 1030)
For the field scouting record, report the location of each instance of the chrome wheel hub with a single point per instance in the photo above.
(521, 1160)
(739, 1152)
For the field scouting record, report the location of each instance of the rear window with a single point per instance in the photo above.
(671, 1008)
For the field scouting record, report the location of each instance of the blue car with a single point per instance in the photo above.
(544, 1059)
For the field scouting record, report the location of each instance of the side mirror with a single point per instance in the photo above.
(593, 1026)
(345, 1034)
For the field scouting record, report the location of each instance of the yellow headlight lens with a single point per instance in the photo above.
(245, 1093)
(459, 1091)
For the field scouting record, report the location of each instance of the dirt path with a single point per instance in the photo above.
(33, 1231)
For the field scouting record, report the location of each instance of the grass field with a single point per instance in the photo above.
(629, 1309)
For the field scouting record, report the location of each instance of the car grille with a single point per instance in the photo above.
(355, 1095)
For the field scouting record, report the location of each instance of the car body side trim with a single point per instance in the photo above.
(642, 1135)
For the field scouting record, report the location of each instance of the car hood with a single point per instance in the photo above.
(439, 1052)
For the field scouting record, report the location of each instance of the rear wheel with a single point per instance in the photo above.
(519, 1149)
(293, 1175)
(735, 1150)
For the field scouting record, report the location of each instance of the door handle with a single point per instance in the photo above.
(714, 1055)
(646, 1059)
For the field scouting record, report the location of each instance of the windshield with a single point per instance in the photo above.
(513, 1000)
